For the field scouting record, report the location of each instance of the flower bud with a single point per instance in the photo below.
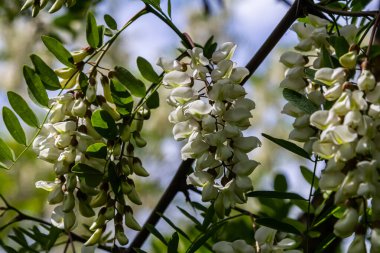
(56, 6)
(140, 142)
(120, 235)
(125, 133)
(375, 240)
(79, 55)
(138, 169)
(130, 221)
(85, 209)
(134, 197)
(69, 220)
(55, 196)
(95, 237)
(91, 93)
(114, 114)
(366, 81)
(99, 200)
(347, 224)
(68, 202)
(100, 221)
(110, 213)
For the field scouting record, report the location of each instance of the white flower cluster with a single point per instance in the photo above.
(210, 113)
(344, 130)
(63, 142)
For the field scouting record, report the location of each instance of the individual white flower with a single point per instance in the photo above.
(183, 130)
(238, 74)
(366, 80)
(223, 70)
(79, 108)
(183, 95)
(197, 109)
(323, 119)
(168, 65)
(225, 51)
(333, 92)
(330, 76)
(176, 78)
(193, 149)
(292, 59)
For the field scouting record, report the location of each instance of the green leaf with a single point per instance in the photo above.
(134, 85)
(113, 178)
(6, 153)
(110, 21)
(201, 240)
(288, 146)
(340, 45)
(104, 124)
(274, 195)
(91, 176)
(97, 150)
(22, 109)
(170, 8)
(326, 241)
(35, 86)
(59, 51)
(299, 100)
(92, 33)
(173, 244)
(188, 215)
(280, 183)
(156, 233)
(101, 32)
(180, 231)
(278, 225)
(326, 60)
(153, 100)
(13, 125)
(308, 176)
(121, 97)
(147, 70)
(46, 74)
(139, 250)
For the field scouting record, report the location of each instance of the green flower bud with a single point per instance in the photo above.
(375, 240)
(125, 133)
(140, 142)
(56, 6)
(56, 196)
(126, 187)
(68, 202)
(91, 191)
(71, 182)
(79, 55)
(100, 221)
(35, 9)
(91, 93)
(110, 213)
(125, 166)
(134, 197)
(130, 221)
(27, 4)
(348, 60)
(43, 3)
(106, 89)
(114, 114)
(99, 200)
(95, 237)
(70, 3)
(120, 235)
(69, 220)
(85, 209)
(65, 73)
(138, 169)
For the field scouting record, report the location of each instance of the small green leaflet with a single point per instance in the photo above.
(153, 100)
(110, 21)
(46, 74)
(59, 51)
(91, 176)
(97, 150)
(134, 85)
(104, 124)
(35, 86)
(299, 100)
(156, 233)
(275, 195)
(22, 109)
(308, 176)
(288, 146)
(340, 45)
(147, 70)
(92, 33)
(121, 97)
(280, 184)
(13, 126)
(201, 240)
(278, 225)
(6, 153)
(173, 243)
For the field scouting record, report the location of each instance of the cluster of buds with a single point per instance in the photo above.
(344, 127)
(38, 5)
(94, 172)
(210, 113)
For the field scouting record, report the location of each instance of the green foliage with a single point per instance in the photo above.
(92, 33)
(48, 77)
(97, 150)
(91, 176)
(299, 101)
(13, 126)
(288, 146)
(35, 86)
(147, 70)
(104, 124)
(22, 109)
(134, 85)
(110, 21)
(59, 51)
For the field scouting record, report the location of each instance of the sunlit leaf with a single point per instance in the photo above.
(59, 51)
(299, 101)
(92, 33)
(13, 125)
(104, 124)
(173, 244)
(46, 74)
(22, 109)
(288, 146)
(110, 21)
(6, 153)
(147, 70)
(91, 176)
(134, 85)
(97, 150)
(35, 86)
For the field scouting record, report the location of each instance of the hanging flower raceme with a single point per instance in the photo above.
(211, 112)
(84, 138)
(338, 121)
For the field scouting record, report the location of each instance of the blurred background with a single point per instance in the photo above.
(245, 22)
